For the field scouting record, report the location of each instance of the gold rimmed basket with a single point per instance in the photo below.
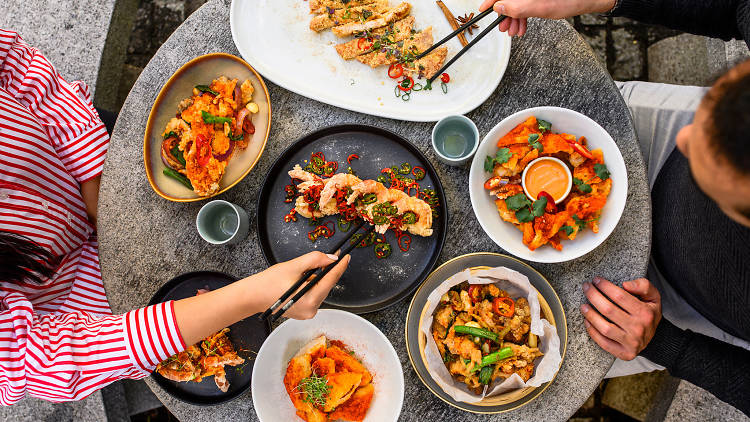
(416, 340)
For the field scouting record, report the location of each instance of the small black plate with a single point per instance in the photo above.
(370, 284)
(247, 336)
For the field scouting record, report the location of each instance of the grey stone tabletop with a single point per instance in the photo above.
(146, 240)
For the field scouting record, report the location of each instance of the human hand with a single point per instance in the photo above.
(519, 10)
(633, 312)
(273, 282)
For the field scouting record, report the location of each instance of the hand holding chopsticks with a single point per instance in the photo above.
(460, 30)
(311, 277)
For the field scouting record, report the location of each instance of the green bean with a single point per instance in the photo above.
(495, 357)
(485, 375)
(476, 332)
(174, 174)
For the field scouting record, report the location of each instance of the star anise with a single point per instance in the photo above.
(464, 19)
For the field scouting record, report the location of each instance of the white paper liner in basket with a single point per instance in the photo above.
(517, 285)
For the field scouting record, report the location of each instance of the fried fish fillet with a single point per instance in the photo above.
(427, 66)
(349, 15)
(355, 409)
(321, 6)
(343, 385)
(347, 363)
(415, 44)
(397, 13)
(395, 32)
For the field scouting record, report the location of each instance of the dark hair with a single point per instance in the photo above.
(729, 117)
(24, 260)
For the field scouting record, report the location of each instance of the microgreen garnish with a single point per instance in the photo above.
(315, 389)
(534, 142)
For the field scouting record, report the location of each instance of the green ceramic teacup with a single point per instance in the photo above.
(222, 223)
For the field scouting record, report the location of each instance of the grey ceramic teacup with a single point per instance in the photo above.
(222, 223)
(455, 139)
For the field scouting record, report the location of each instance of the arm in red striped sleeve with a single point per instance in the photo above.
(63, 108)
(69, 356)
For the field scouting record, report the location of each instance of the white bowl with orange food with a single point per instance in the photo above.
(548, 184)
(335, 366)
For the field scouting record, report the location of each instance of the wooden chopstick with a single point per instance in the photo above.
(316, 274)
(465, 49)
(460, 30)
(452, 21)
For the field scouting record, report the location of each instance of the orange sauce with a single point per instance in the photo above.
(548, 176)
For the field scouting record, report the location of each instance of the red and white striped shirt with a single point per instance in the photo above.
(59, 341)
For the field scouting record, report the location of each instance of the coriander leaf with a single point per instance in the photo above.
(524, 215)
(534, 142)
(580, 223)
(489, 163)
(544, 125)
(601, 171)
(206, 88)
(517, 201)
(234, 137)
(538, 207)
(503, 155)
(209, 118)
(366, 14)
(583, 187)
(170, 134)
(567, 229)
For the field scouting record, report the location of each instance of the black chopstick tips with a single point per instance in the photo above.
(460, 29)
(312, 277)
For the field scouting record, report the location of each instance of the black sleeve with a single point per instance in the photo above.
(719, 367)
(725, 19)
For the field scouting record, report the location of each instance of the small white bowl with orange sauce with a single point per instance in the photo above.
(547, 174)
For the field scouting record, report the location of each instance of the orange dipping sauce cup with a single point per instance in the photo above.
(547, 174)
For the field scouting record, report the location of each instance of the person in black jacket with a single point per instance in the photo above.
(699, 275)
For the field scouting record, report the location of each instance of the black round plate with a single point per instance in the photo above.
(370, 284)
(247, 336)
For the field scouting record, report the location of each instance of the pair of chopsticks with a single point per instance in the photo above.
(311, 277)
(468, 46)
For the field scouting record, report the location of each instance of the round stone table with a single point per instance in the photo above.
(146, 240)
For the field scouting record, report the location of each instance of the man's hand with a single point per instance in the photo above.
(622, 320)
(520, 10)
